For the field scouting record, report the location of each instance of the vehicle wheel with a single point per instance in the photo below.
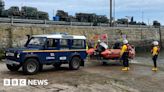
(75, 63)
(104, 63)
(57, 65)
(13, 67)
(31, 66)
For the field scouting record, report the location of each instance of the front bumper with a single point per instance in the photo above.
(10, 62)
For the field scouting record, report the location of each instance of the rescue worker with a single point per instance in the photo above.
(91, 44)
(117, 45)
(155, 51)
(124, 55)
(97, 44)
(101, 46)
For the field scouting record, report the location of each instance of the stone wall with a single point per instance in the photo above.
(15, 35)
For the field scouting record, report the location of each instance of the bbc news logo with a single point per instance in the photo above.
(24, 82)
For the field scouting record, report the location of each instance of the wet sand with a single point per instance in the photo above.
(94, 77)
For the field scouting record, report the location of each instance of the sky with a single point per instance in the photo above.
(141, 10)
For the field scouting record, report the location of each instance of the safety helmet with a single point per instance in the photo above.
(155, 43)
(125, 41)
(98, 41)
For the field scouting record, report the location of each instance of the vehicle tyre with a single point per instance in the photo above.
(75, 63)
(31, 66)
(104, 63)
(13, 67)
(57, 65)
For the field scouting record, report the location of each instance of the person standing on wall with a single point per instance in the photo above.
(124, 55)
(155, 51)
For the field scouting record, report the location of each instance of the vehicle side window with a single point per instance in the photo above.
(64, 44)
(37, 41)
(52, 43)
(78, 44)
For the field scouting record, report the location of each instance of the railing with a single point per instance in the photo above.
(50, 22)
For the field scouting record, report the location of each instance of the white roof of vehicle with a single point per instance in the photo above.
(60, 36)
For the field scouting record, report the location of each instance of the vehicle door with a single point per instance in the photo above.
(51, 50)
(64, 49)
(78, 46)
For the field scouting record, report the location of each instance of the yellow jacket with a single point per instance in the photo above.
(124, 49)
(155, 50)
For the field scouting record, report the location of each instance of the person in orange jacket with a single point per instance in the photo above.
(124, 55)
(155, 51)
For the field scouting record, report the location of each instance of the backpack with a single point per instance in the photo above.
(129, 47)
(158, 49)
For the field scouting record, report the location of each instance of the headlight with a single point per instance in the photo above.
(18, 55)
(6, 54)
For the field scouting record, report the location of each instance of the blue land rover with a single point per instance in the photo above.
(50, 49)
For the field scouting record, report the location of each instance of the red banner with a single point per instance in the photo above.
(103, 37)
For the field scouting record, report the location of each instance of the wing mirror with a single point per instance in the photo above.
(28, 37)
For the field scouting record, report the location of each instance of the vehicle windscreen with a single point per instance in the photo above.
(36, 41)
